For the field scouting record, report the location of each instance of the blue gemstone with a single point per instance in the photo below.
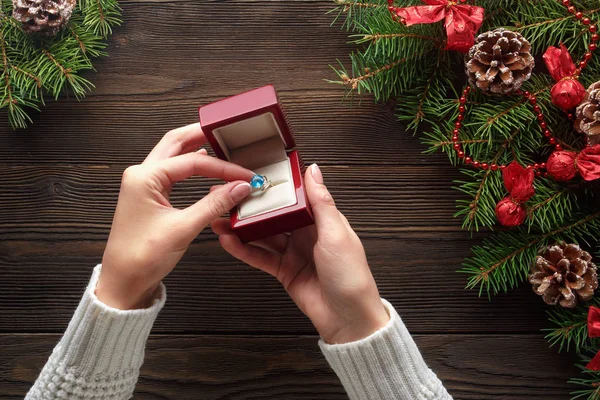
(257, 181)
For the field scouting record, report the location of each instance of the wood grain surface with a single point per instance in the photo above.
(228, 331)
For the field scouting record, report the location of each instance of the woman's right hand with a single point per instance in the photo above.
(323, 268)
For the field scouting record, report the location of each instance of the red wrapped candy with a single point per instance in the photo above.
(562, 165)
(568, 92)
(519, 182)
(510, 213)
(565, 165)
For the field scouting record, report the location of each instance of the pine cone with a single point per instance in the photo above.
(43, 16)
(564, 274)
(588, 114)
(499, 62)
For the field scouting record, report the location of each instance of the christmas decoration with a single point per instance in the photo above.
(499, 62)
(593, 325)
(461, 21)
(45, 45)
(494, 124)
(568, 92)
(588, 114)
(564, 274)
(519, 183)
(43, 16)
(564, 165)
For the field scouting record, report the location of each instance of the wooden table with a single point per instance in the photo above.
(228, 331)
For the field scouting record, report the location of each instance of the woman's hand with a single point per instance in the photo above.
(323, 268)
(149, 236)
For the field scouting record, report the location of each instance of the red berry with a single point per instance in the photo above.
(593, 47)
(578, 15)
(461, 154)
(537, 109)
(586, 21)
(547, 133)
(582, 64)
(458, 125)
(476, 164)
(595, 37)
(571, 9)
(552, 141)
(593, 28)
(533, 100)
(460, 117)
(566, 3)
(526, 94)
(494, 167)
(484, 165)
(463, 100)
(558, 147)
(456, 146)
(543, 125)
(468, 160)
(540, 117)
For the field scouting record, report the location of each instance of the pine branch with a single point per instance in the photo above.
(571, 327)
(503, 260)
(591, 380)
(32, 66)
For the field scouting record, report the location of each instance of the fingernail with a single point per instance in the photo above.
(240, 192)
(316, 173)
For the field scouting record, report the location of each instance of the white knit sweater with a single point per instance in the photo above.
(100, 355)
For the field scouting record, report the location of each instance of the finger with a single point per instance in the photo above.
(215, 187)
(277, 243)
(176, 141)
(221, 226)
(215, 204)
(251, 255)
(178, 168)
(327, 216)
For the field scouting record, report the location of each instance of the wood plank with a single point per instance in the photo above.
(498, 367)
(75, 203)
(209, 292)
(170, 57)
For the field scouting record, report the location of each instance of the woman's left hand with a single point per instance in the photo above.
(149, 236)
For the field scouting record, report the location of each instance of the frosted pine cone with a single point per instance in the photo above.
(588, 115)
(564, 274)
(499, 62)
(43, 16)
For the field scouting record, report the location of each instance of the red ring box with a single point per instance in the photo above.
(251, 130)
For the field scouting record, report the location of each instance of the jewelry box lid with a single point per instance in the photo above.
(243, 107)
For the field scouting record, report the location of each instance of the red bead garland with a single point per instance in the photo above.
(462, 108)
(592, 28)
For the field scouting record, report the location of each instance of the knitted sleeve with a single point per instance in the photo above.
(384, 366)
(100, 354)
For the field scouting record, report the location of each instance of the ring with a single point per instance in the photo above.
(260, 183)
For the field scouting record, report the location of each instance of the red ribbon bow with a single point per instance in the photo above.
(510, 211)
(593, 332)
(568, 92)
(461, 21)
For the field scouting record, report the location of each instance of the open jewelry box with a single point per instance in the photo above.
(251, 130)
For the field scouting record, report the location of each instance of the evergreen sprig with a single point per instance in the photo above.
(32, 67)
(410, 65)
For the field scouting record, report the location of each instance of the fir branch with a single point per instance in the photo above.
(503, 260)
(571, 327)
(590, 380)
